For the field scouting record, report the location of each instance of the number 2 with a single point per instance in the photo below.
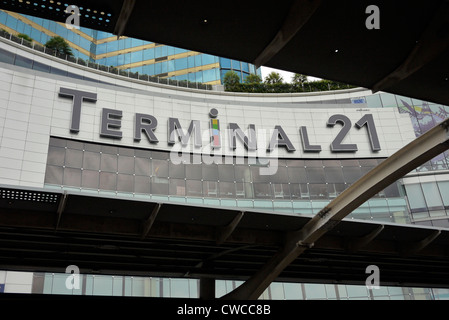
(367, 120)
(337, 145)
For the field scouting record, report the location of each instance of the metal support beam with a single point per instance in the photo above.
(414, 248)
(225, 232)
(150, 220)
(125, 14)
(433, 42)
(299, 14)
(61, 208)
(356, 244)
(422, 149)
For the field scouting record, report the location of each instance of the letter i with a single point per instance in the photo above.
(215, 129)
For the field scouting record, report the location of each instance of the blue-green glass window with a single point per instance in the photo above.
(148, 69)
(160, 51)
(208, 59)
(198, 60)
(170, 51)
(181, 64)
(292, 291)
(444, 191)
(35, 34)
(373, 101)
(402, 99)
(158, 68)
(223, 72)
(415, 197)
(164, 67)
(315, 291)
(245, 67)
(357, 292)
(136, 56)
(11, 22)
(101, 49)
(112, 46)
(225, 63)
(60, 30)
(3, 16)
(179, 50)
(209, 75)
(235, 65)
(136, 42)
(191, 62)
(388, 100)
(20, 26)
(432, 196)
(126, 43)
(148, 54)
(199, 76)
(120, 59)
(72, 37)
(170, 65)
(102, 35)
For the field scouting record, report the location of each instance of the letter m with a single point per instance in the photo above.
(174, 128)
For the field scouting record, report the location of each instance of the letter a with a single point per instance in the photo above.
(72, 21)
(372, 282)
(373, 21)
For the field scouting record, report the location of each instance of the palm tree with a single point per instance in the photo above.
(273, 78)
(299, 79)
(231, 78)
(253, 78)
(59, 45)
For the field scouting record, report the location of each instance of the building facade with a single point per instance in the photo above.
(128, 54)
(87, 131)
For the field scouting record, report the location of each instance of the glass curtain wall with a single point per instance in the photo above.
(133, 55)
(298, 186)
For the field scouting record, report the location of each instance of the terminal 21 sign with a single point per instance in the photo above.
(146, 124)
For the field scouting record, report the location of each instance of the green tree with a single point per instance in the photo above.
(253, 78)
(231, 78)
(299, 79)
(59, 45)
(274, 78)
(25, 37)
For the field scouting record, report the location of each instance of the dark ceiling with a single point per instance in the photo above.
(407, 55)
(45, 231)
